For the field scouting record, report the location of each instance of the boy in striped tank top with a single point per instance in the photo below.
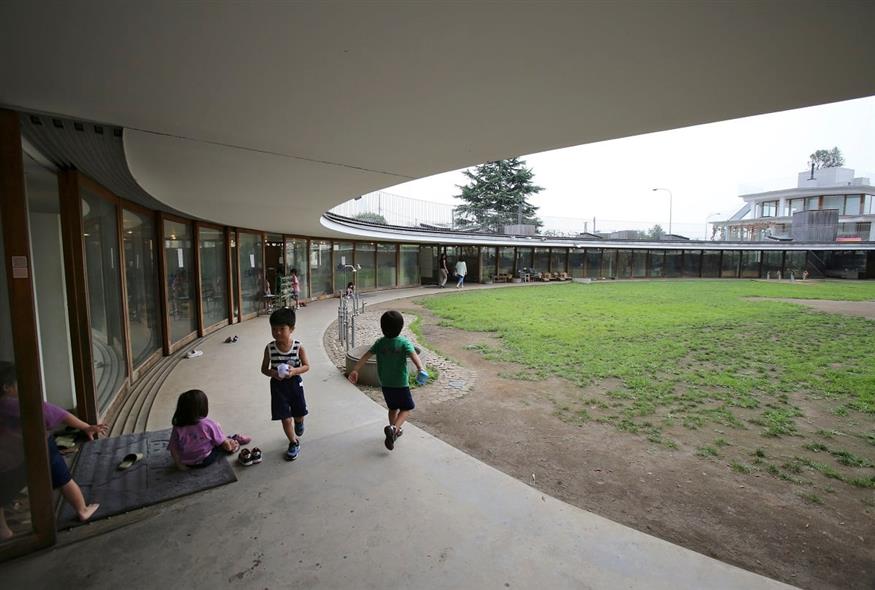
(284, 362)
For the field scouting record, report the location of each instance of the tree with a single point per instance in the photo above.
(827, 159)
(496, 195)
(371, 217)
(654, 233)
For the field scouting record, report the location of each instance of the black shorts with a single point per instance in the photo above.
(398, 398)
(60, 472)
(287, 398)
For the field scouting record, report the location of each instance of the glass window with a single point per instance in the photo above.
(624, 264)
(296, 259)
(639, 264)
(794, 263)
(812, 203)
(834, 202)
(488, 266)
(853, 204)
(365, 253)
(673, 267)
(710, 264)
(505, 260)
(141, 278)
(795, 206)
(731, 260)
(769, 208)
(409, 271)
(542, 260)
(214, 292)
(657, 263)
(251, 272)
(524, 260)
(386, 265)
(100, 239)
(320, 268)
(558, 258)
(179, 261)
(577, 262)
(17, 510)
(750, 264)
(692, 259)
(594, 263)
(609, 258)
(773, 262)
(235, 276)
(343, 256)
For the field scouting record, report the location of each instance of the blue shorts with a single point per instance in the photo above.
(60, 472)
(398, 398)
(287, 399)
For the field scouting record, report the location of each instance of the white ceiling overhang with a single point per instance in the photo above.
(267, 114)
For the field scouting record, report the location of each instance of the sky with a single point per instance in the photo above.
(705, 167)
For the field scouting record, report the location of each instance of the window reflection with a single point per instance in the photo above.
(100, 242)
(141, 280)
(179, 262)
(214, 293)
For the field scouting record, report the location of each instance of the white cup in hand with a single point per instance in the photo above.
(282, 370)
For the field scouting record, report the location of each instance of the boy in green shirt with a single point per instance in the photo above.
(392, 351)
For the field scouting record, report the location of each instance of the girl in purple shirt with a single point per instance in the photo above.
(197, 441)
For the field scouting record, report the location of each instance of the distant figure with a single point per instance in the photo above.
(461, 271)
(284, 362)
(350, 289)
(196, 441)
(804, 274)
(392, 351)
(296, 287)
(443, 270)
(13, 468)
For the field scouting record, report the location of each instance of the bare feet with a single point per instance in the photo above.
(88, 512)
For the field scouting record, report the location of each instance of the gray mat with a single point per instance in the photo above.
(153, 479)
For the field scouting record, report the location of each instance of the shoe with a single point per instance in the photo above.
(229, 340)
(241, 438)
(194, 354)
(398, 433)
(235, 338)
(293, 451)
(299, 428)
(255, 455)
(389, 431)
(245, 457)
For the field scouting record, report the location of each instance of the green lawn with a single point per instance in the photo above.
(694, 356)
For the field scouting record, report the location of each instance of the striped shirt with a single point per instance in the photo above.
(290, 357)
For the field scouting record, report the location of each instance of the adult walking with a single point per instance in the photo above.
(461, 271)
(443, 270)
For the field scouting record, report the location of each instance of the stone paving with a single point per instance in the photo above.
(453, 381)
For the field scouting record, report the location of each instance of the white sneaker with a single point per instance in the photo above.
(191, 354)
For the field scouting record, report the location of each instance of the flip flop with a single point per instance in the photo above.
(129, 461)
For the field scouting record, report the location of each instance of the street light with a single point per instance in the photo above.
(669, 206)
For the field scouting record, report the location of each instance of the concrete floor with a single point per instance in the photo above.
(348, 513)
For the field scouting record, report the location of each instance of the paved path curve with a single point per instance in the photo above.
(349, 514)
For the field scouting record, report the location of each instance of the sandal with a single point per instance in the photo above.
(245, 457)
(241, 438)
(129, 461)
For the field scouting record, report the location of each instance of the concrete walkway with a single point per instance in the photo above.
(348, 513)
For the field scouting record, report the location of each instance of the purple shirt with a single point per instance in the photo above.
(53, 415)
(192, 444)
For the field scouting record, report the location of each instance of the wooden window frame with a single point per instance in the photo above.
(169, 346)
(202, 329)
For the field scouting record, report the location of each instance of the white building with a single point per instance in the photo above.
(770, 214)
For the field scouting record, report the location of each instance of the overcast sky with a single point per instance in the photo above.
(706, 167)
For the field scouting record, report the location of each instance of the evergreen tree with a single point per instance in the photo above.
(496, 195)
(827, 158)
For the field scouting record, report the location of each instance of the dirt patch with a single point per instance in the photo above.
(865, 309)
(753, 520)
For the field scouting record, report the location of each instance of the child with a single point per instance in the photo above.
(461, 271)
(13, 469)
(284, 362)
(392, 351)
(196, 441)
(350, 289)
(296, 287)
